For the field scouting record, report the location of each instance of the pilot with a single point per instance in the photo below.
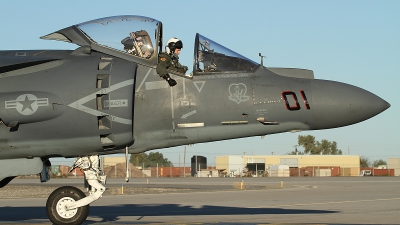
(169, 60)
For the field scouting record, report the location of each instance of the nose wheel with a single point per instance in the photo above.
(56, 206)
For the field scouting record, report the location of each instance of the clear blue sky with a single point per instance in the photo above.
(355, 42)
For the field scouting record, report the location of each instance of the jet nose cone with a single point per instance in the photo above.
(337, 104)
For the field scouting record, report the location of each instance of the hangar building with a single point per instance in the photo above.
(300, 165)
(394, 163)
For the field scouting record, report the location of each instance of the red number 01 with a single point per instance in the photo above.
(285, 95)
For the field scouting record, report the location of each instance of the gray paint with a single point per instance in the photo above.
(17, 167)
(100, 100)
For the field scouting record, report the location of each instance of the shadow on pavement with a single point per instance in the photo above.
(111, 213)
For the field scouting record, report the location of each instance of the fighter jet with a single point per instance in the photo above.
(105, 97)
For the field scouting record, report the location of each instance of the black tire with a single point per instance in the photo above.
(64, 195)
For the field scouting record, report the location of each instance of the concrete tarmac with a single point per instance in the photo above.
(333, 200)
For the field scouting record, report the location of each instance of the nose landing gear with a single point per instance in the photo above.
(69, 205)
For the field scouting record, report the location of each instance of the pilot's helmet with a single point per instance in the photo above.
(173, 44)
(128, 43)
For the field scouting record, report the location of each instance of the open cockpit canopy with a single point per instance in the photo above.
(130, 35)
(138, 38)
(210, 57)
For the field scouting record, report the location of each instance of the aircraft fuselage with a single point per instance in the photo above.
(68, 103)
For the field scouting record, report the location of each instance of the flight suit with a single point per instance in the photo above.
(167, 63)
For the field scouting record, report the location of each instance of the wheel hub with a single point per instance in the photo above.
(62, 208)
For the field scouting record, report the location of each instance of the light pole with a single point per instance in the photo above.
(184, 161)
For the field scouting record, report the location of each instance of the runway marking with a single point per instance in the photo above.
(327, 203)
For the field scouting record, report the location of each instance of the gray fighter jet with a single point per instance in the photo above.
(105, 97)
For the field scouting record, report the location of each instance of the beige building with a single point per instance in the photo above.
(111, 161)
(394, 163)
(233, 165)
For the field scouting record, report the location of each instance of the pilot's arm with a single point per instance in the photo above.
(182, 69)
(164, 62)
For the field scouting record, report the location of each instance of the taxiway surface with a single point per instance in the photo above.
(333, 200)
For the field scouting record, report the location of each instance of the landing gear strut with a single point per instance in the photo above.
(69, 205)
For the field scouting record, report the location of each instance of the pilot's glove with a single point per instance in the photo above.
(170, 81)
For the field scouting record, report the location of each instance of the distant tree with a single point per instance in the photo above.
(138, 159)
(308, 142)
(156, 157)
(295, 152)
(379, 162)
(149, 160)
(313, 147)
(364, 162)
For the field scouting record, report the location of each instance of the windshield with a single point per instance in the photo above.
(210, 56)
(135, 35)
